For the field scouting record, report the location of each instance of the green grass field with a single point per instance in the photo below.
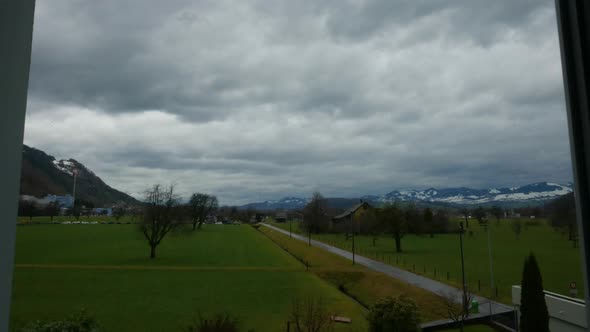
(104, 268)
(558, 260)
(363, 284)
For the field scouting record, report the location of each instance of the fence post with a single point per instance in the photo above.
(288, 326)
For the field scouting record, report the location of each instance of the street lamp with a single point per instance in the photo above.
(465, 304)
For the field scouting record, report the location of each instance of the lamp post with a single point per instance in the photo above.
(464, 302)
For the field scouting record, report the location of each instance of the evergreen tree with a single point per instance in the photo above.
(534, 316)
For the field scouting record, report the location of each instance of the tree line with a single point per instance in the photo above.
(395, 220)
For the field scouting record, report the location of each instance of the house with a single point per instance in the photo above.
(281, 216)
(352, 213)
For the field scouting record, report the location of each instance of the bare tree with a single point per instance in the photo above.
(52, 210)
(394, 222)
(481, 215)
(315, 219)
(428, 217)
(310, 315)
(27, 208)
(162, 214)
(370, 224)
(456, 310)
(497, 212)
(517, 227)
(200, 206)
(465, 213)
(118, 212)
(562, 215)
(414, 219)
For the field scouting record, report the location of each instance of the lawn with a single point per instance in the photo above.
(104, 268)
(559, 261)
(358, 281)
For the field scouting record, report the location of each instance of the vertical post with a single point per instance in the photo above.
(290, 228)
(16, 24)
(352, 234)
(574, 38)
(464, 302)
(491, 270)
(74, 194)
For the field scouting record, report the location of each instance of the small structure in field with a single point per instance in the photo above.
(281, 216)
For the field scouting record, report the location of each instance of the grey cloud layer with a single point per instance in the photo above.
(258, 98)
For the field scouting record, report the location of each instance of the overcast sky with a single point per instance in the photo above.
(262, 99)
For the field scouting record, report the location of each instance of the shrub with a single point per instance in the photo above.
(394, 314)
(78, 322)
(220, 322)
(310, 315)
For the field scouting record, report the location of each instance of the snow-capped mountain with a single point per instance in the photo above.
(528, 194)
(42, 174)
(286, 203)
(535, 192)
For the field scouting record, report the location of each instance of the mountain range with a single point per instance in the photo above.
(42, 174)
(531, 194)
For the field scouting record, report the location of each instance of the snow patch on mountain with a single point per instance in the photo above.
(533, 192)
(63, 165)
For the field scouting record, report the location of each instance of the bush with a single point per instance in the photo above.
(310, 315)
(78, 322)
(391, 314)
(221, 322)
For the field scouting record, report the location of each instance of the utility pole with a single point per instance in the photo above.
(465, 304)
(352, 234)
(75, 172)
(491, 271)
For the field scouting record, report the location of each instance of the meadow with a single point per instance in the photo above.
(435, 257)
(359, 282)
(60, 269)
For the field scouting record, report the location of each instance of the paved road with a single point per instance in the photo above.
(417, 280)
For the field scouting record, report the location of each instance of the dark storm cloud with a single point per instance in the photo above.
(258, 99)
